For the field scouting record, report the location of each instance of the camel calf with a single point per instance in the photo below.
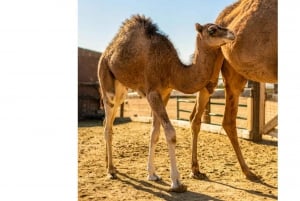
(142, 58)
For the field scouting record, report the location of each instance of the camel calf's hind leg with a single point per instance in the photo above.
(110, 114)
(154, 136)
(113, 93)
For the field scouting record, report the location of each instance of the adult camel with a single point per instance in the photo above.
(142, 58)
(253, 56)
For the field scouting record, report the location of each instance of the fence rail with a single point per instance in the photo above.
(219, 94)
(255, 95)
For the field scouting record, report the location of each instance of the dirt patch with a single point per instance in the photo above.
(130, 151)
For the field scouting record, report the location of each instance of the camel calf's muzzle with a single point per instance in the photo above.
(230, 35)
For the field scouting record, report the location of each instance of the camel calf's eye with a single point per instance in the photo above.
(211, 31)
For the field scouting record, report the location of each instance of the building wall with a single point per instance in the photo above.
(88, 86)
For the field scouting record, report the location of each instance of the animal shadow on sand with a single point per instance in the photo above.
(93, 122)
(163, 193)
(268, 142)
(258, 193)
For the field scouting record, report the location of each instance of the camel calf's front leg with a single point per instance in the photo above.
(156, 102)
(195, 119)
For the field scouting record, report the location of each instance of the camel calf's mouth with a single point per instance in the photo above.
(231, 35)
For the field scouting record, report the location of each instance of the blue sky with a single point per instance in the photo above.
(99, 20)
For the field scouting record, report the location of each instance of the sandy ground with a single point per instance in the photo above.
(130, 151)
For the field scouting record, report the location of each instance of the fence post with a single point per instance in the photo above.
(177, 104)
(262, 98)
(258, 110)
(250, 114)
(275, 88)
(122, 110)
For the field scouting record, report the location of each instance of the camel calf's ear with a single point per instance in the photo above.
(198, 27)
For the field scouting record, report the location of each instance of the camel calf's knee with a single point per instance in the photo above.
(170, 134)
(172, 139)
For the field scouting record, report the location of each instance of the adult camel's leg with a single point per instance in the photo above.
(234, 85)
(195, 119)
(157, 105)
(154, 137)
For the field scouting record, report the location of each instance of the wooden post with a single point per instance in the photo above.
(262, 99)
(250, 114)
(177, 104)
(122, 110)
(258, 110)
(275, 88)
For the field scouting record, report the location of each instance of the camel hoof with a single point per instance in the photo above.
(111, 176)
(154, 177)
(179, 189)
(253, 177)
(198, 175)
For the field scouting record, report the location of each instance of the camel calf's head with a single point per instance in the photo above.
(214, 35)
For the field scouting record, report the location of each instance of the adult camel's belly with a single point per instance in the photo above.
(254, 52)
(252, 64)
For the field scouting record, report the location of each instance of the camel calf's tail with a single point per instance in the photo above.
(107, 82)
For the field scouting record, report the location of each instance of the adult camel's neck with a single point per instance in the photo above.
(191, 78)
